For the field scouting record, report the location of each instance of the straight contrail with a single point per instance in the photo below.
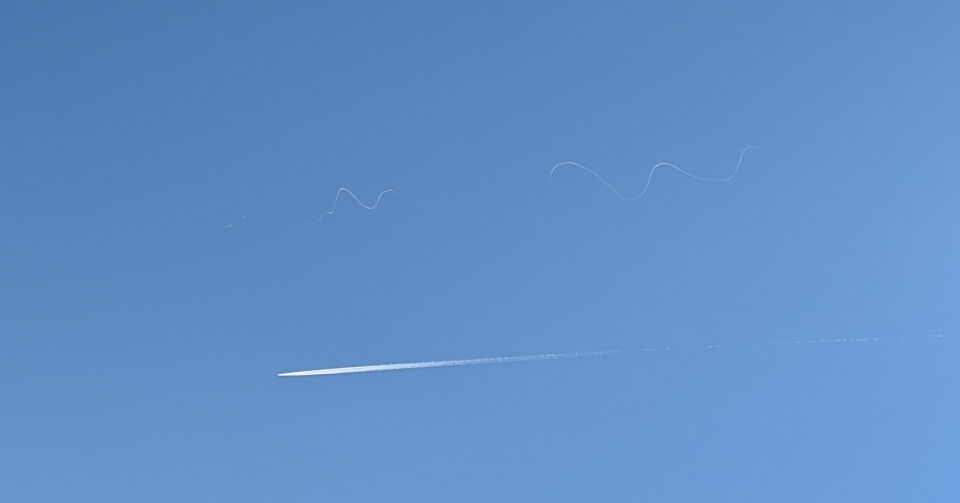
(586, 354)
(444, 363)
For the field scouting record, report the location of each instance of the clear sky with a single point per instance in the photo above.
(143, 320)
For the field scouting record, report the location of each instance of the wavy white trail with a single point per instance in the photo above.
(342, 190)
(653, 170)
(587, 354)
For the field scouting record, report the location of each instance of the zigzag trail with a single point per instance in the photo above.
(650, 175)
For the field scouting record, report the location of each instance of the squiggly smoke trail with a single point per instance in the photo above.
(342, 190)
(650, 175)
(587, 354)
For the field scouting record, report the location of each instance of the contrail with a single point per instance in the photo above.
(587, 354)
(342, 190)
(650, 175)
(444, 363)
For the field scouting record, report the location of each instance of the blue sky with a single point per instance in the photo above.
(141, 340)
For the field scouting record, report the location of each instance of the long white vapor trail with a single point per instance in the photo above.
(653, 170)
(586, 354)
(344, 190)
(444, 363)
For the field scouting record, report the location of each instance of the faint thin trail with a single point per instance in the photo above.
(235, 223)
(344, 190)
(653, 170)
(588, 354)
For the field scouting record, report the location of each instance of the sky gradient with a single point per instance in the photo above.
(163, 169)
